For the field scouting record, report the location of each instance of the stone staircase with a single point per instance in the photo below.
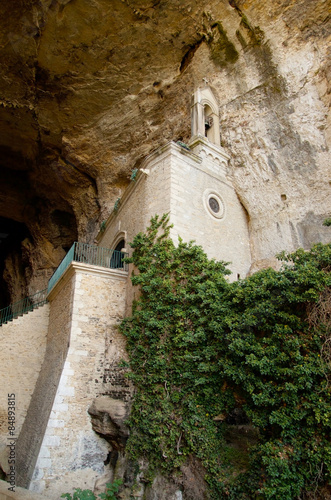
(26, 318)
(23, 345)
(23, 306)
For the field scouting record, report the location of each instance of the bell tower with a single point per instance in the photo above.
(192, 183)
(205, 116)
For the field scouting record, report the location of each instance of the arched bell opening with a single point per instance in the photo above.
(205, 116)
(209, 122)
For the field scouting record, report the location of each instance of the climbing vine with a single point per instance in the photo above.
(202, 349)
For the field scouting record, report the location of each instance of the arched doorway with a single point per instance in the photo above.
(116, 261)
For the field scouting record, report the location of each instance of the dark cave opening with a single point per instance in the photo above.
(12, 234)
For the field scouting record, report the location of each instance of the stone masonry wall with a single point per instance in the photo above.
(23, 345)
(34, 426)
(178, 182)
(225, 238)
(145, 197)
(72, 454)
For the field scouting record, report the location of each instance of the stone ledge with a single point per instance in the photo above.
(199, 142)
(89, 269)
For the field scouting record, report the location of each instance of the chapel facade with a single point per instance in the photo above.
(192, 184)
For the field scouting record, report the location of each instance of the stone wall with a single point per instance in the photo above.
(223, 235)
(178, 182)
(23, 345)
(34, 426)
(148, 195)
(72, 454)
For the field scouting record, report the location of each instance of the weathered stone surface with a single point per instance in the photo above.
(57, 443)
(89, 87)
(189, 485)
(108, 419)
(23, 346)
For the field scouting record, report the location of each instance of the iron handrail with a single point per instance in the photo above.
(79, 252)
(89, 254)
(23, 306)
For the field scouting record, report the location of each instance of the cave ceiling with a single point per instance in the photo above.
(90, 87)
(86, 91)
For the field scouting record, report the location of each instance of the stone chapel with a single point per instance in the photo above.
(70, 350)
(192, 184)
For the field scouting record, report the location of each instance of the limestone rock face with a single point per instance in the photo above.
(108, 419)
(89, 87)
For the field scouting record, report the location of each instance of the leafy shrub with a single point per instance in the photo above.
(201, 347)
(111, 490)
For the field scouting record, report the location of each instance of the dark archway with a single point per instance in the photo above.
(116, 261)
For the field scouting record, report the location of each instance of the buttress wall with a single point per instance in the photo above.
(72, 454)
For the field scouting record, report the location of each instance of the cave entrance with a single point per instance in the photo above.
(12, 261)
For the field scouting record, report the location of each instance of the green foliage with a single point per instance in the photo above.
(102, 226)
(327, 222)
(79, 494)
(111, 490)
(201, 347)
(117, 205)
(134, 174)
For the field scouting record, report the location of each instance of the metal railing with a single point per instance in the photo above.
(23, 306)
(89, 254)
(79, 252)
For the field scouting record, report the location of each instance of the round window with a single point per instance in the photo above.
(214, 204)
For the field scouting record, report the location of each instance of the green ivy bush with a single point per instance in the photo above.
(201, 347)
(110, 494)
